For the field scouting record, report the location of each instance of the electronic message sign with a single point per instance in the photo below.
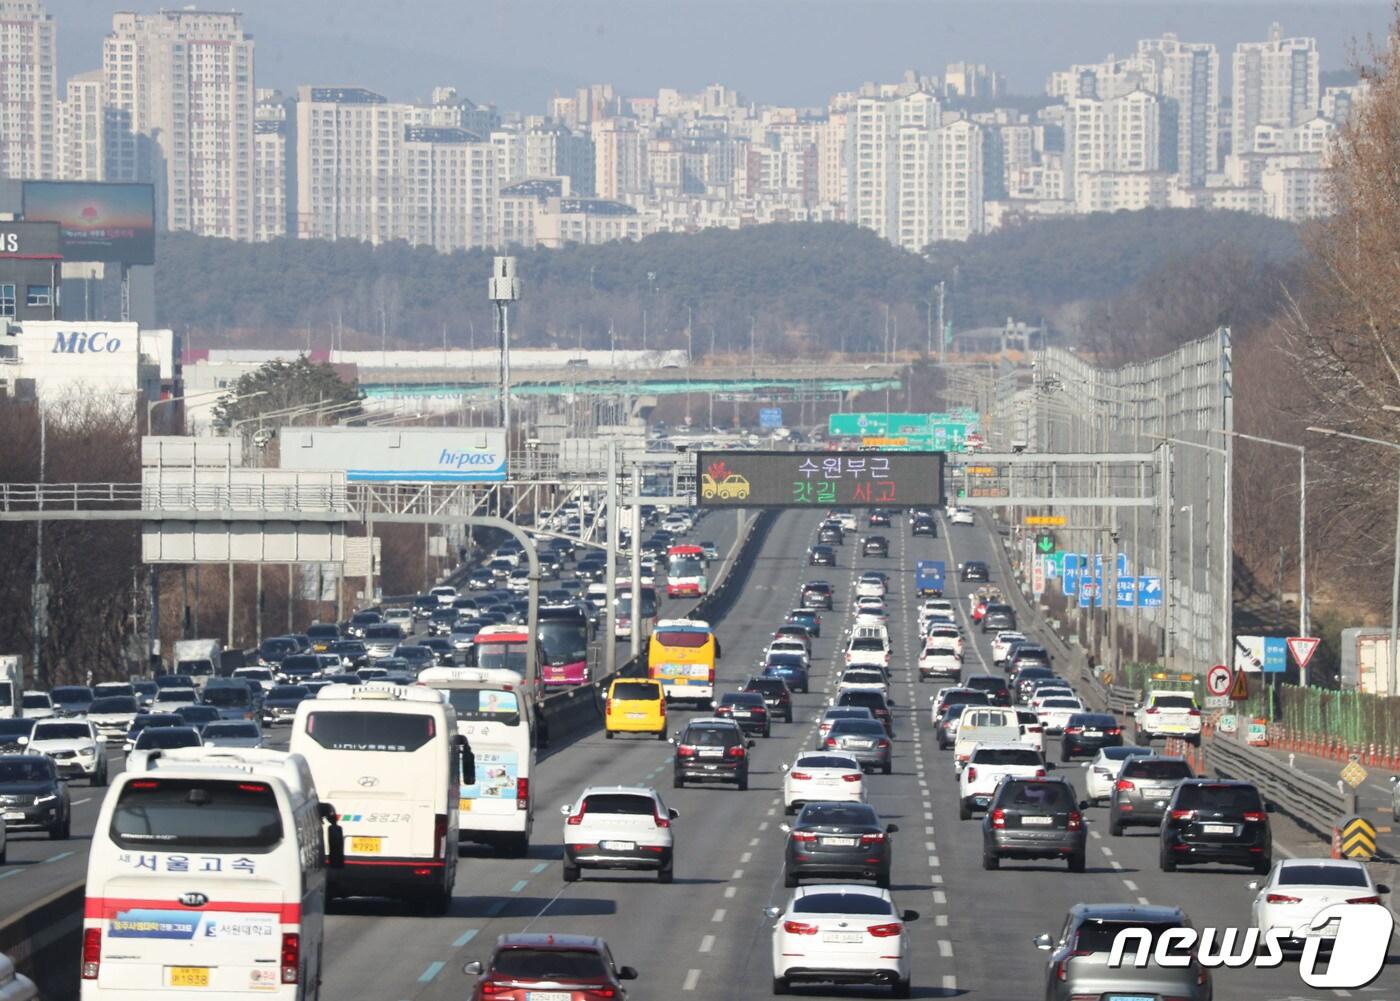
(818, 479)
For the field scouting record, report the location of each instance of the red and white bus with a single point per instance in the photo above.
(501, 647)
(685, 572)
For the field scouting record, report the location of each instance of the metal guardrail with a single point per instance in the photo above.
(1313, 803)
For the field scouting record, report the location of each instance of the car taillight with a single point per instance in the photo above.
(1255, 816)
(522, 794)
(799, 928)
(850, 778)
(660, 820)
(873, 839)
(883, 743)
(685, 752)
(1075, 821)
(1183, 814)
(801, 776)
(1152, 711)
(1073, 729)
(490, 988)
(1062, 967)
(440, 836)
(1040, 773)
(737, 751)
(1363, 900)
(92, 952)
(1282, 898)
(291, 958)
(1193, 712)
(972, 773)
(1123, 785)
(1114, 731)
(830, 741)
(886, 931)
(998, 817)
(803, 836)
(577, 818)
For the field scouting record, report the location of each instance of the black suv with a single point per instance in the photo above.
(775, 695)
(878, 519)
(1034, 819)
(1210, 820)
(817, 594)
(831, 534)
(924, 525)
(748, 709)
(976, 571)
(874, 701)
(712, 750)
(33, 796)
(875, 545)
(842, 840)
(821, 556)
(1085, 733)
(995, 687)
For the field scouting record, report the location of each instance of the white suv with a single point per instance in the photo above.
(76, 747)
(618, 827)
(989, 762)
(1168, 713)
(1001, 645)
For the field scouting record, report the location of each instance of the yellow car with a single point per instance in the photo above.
(635, 705)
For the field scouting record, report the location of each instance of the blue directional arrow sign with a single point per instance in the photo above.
(1150, 592)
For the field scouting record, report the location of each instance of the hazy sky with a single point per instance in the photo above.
(516, 53)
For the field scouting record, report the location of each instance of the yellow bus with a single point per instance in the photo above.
(681, 656)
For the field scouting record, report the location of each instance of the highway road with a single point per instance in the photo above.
(705, 936)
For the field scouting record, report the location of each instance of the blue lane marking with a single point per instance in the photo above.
(495, 908)
(432, 971)
(12, 872)
(464, 938)
(540, 868)
(520, 885)
(57, 858)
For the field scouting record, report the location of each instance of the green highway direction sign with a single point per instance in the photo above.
(894, 425)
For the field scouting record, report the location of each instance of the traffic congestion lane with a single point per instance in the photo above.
(499, 895)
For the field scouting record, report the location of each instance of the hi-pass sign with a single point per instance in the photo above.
(818, 479)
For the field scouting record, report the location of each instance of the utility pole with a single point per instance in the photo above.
(503, 288)
(942, 331)
(614, 527)
(636, 509)
(39, 604)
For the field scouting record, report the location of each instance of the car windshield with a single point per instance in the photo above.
(37, 702)
(166, 737)
(551, 964)
(175, 695)
(226, 695)
(837, 813)
(25, 770)
(842, 903)
(300, 662)
(72, 694)
(62, 731)
(12, 728)
(1006, 756)
(215, 731)
(113, 704)
(288, 692)
(1322, 875)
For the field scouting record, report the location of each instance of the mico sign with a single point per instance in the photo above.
(80, 342)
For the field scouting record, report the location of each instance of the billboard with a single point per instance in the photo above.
(113, 223)
(399, 455)
(818, 479)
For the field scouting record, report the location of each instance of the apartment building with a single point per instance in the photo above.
(28, 90)
(1276, 82)
(179, 93)
(449, 189)
(80, 151)
(269, 167)
(960, 201)
(1188, 77)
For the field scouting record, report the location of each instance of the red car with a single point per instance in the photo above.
(572, 967)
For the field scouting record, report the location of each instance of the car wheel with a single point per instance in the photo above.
(437, 903)
(1064, 753)
(99, 778)
(1165, 861)
(59, 832)
(1076, 862)
(1262, 866)
(661, 734)
(787, 717)
(608, 734)
(3, 855)
(886, 768)
(883, 881)
(571, 873)
(963, 812)
(677, 782)
(1115, 826)
(901, 989)
(789, 880)
(990, 861)
(744, 782)
(780, 985)
(665, 875)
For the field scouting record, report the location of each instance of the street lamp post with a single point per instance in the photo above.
(1391, 681)
(1190, 510)
(151, 406)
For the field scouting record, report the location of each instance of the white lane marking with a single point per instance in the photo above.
(753, 842)
(738, 874)
(939, 897)
(936, 879)
(940, 920)
(707, 943)
(928, 816)
(1116, 864)
(945, 948)
(950, 982)
(692, 977)
(1095, 835)
(934, 862)
(80, 802)
(729, 892)
(930, 846)
(718, 916)
(771, 811)
(1130, 885)
(746, 857)
(928, 829)
(1107, 851)
(762, 827)
(1144, 901)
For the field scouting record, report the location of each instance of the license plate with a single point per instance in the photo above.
(636, 715)
(1129, 997)
(743, 714)
(365, 846)
(843, 936)
(839, 842)
(1036, 821)
(711, 752)
(863, 745)
(547, 996)
(189, 976)
(618, 846)
(1093, 733)
(465, 805)
(14, 816)
(1218, 828)
(1158, 792)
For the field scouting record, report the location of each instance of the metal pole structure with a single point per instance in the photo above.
(369, 570)
(636, 519)
(291, 595)
(1190, 510)
(614, 527)
(38, 604)
(258, 606)
(942, 331)
(503, 289)
(1166, 509)
(229, 642)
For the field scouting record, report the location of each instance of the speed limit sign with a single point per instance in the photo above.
(1218, 680)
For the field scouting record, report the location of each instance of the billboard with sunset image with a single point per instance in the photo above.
(112, 223)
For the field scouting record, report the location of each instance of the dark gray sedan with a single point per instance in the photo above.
(863, 739)
(840, 840)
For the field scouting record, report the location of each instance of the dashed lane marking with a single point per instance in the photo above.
(707, 943)
(738, 874)
(730, 891)
(432, 971)
(464, 938)
(945, 948)
(939, 897)
(692, 977)
(940, 920)
(1130, 885)
(718, 916)
(746, 857)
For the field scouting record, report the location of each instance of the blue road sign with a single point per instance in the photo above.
(1071, 573)
(1150, 592)
(1275, 654)
(1127, 591)
(770, 417)
(1095, 585)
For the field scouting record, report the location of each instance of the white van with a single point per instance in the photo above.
(388, 758)
(496, 718)
(207, 875)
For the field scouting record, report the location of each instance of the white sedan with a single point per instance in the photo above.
(1001, 645)
(1043, 694)
(1101, 771)
(822, 778)
(940, 658)
(962, 516)
(1298, 888)
(1055, 713)
(842, 933)
(946, 632)
(863, 679)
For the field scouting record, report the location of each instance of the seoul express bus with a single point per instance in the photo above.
(207, 877)
(563, 631)
(685, 572)
(497, 719)
(389, 758)
(622, 609)
(501, 647)
(681, 655)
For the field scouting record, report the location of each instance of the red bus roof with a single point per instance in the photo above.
(686, 550)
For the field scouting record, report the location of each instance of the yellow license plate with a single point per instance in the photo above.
(365, 846)
(189, 976)
(465, 805)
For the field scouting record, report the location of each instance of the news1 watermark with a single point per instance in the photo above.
(1359, 937)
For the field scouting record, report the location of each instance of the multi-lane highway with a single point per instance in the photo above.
(705, 935)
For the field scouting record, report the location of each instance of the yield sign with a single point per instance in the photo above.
(1302, 648)
(1218, 679)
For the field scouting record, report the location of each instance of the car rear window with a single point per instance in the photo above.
(496, 705)
(167, 737)
(1227, 799)
(1039, 795)
(1321, 875)
(288, 692)
(230, 729)
(986, 719)
(1005, 756)
(619, 802)
(197, 815)
(682, 638)
(711, 736)
(870, 700)
(824, 761)
(859, 727)
(636, 691)
(842, 903)
(551, 964)
(742, 699)
(1098, 936)
(1157, 770)
(863, 676)
(837, 813)
(1174, 702)
(370, 731)
(1093, 720)
(866, 643)
(227, 695)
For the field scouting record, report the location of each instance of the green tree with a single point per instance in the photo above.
(275, 391)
